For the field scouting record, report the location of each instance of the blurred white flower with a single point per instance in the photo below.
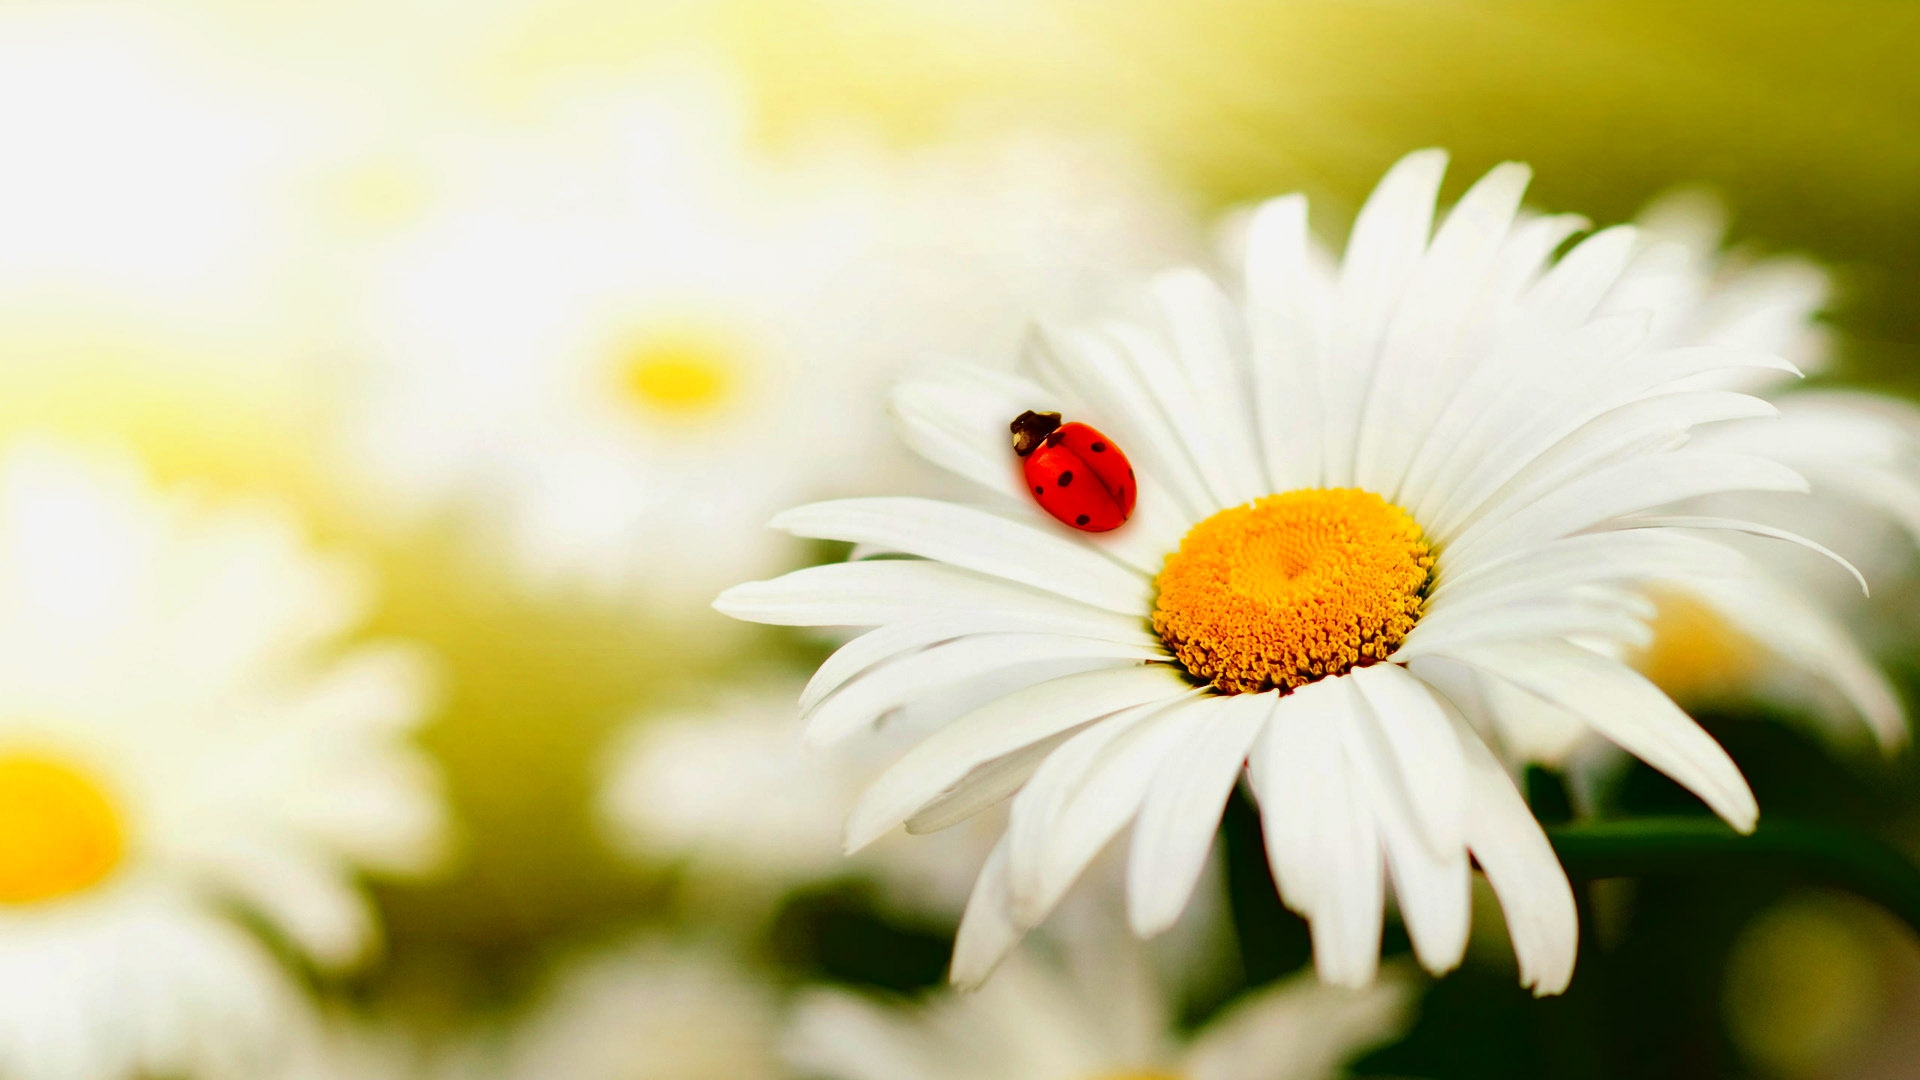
(161, 191)
(179, 732)
(627, 338)
(730, 789)
(1097, 1014)
(646, 1011)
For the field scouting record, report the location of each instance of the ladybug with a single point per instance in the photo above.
(1075, 473)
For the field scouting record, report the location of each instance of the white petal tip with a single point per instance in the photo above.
(966, 982)
(858, 835)
(1151, 924)
(1346, 980)
(1545, 989)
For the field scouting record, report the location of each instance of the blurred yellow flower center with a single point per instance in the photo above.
(1292, 588)
(59, 833)
(380, 193)
(1147, 1075)
(1695, 654)
(680, 375)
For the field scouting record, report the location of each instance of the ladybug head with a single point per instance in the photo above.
(1029, 428)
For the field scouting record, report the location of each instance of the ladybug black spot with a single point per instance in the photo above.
(1098, 448)
(1054, 439)
(1065, 478)
(1082, 520)
(1039, 490)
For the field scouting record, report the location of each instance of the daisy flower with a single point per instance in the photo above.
(628, 338)
(182, 735)
(644, 1011)
(1094, 1014)
(1364, 496)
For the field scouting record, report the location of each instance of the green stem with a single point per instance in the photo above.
(1860, 864)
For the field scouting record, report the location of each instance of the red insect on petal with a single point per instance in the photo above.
(1075, 473)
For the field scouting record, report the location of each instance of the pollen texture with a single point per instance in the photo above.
(58, 830)
(1291, 588)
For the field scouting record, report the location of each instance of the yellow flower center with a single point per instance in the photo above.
(680, 375)
(1696, 656)
(1149, 1074)
(1292, 588)
(59, 832)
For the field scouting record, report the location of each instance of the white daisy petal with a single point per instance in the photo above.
(974, 539)
(985, 785)
(959, 422)
(1175, 829)
(1404, 395)
(999, 728)
(1521, 406)
(988, 930)
(1206, 331)
(1092, 373)
(1585, 558)
(1319, 827)
(861, 702)
(1099, 806)
(1610, 615)
(881, 591)
(1522, 259)
(1637, 427)
(1520, 865)
(1037, 815)
(1626, 708)
(1346, 924)
(895, 639)
(1287, 773)
(1424, 762)
(1574, 288)
(1389, 238)
(1751, 528)
(1409, 762)
(1791, 626)
(1282, 293)
(1191, 423)
(1623, 488)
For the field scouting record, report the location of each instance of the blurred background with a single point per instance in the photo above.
(537, 309)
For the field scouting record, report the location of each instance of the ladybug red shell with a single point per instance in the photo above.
(1075, 473)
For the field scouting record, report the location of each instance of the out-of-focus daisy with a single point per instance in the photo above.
(1362, 497)
(730, 790)
(184, 213)
(182, 733)
(1097, 1013)
(630, 337)
(1860, 451)
(647, 1011)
